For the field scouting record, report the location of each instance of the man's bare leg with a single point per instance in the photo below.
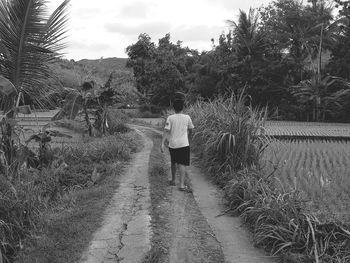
(173, 173)
(182, 169)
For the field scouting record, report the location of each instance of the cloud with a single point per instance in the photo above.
(236, 5)
(86, 12)
(196, 33)
(136, 10)
(81, 45)
(151, 28)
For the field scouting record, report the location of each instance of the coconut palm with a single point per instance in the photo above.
(249, 41)
(29, 40)
(317, 89)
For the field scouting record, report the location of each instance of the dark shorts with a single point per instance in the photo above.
(180, 155)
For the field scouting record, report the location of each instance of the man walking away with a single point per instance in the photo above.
(177, 130)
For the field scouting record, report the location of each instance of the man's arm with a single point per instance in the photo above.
(189, 134)
(166, 134)
(190, 129)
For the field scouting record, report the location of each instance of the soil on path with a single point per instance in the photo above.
(151, 221)
(193, 231)
(125, 232)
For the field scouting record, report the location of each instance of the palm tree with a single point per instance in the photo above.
(29, 40)
(316, 90)
(249, 41)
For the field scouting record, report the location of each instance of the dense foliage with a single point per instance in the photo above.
(289, 55)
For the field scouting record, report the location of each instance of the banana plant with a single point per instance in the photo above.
(44, 157)
(90, 97)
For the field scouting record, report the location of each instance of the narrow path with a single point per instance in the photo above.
(234, 238)
(194, 233)
(125, 232)
(195, 226)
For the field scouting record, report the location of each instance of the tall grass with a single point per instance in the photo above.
(228, 133)
(229, 141)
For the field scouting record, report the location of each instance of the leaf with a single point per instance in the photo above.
(6, 86)
(31, 40)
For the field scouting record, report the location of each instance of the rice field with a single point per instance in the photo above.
(307, 129)
(320, 169)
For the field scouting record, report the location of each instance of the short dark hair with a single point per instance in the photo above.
(178, 105)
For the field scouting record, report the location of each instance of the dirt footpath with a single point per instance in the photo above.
(151, 221)
(194, 232)
(125, 232)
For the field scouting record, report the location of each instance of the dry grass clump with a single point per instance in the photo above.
(229, 142)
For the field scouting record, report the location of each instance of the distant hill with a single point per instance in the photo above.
(107, 64)
(73, 73)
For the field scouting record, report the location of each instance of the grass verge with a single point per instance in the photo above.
(69, 200)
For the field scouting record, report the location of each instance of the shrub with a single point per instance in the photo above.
(228, 132)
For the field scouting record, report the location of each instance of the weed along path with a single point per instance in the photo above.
(186, 226)
(125, 232)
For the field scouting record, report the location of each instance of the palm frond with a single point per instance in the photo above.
(31, 40)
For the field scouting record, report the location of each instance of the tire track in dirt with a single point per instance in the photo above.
(198, 235)
(193, 239)
(124, 235)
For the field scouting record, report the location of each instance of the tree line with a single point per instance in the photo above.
(292, 56)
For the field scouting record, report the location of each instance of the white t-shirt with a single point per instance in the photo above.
(178, 125)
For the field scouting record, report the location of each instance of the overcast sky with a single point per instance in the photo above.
(106, 27)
